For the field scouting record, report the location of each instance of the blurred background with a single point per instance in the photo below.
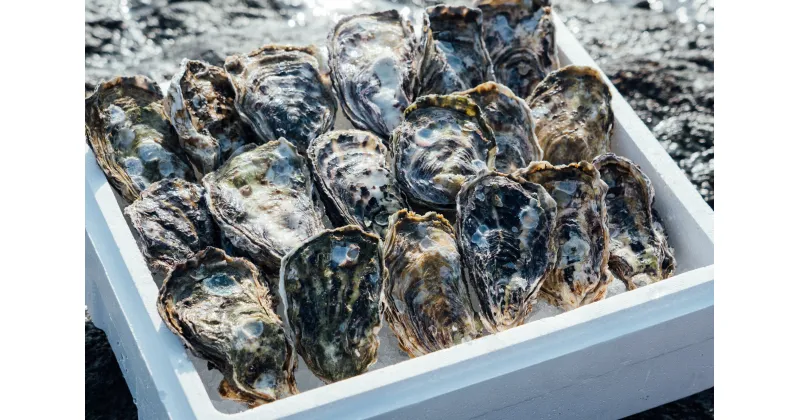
(658, 53)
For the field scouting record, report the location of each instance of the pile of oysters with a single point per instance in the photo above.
(478, 179)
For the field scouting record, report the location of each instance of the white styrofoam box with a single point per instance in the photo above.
(616, 357)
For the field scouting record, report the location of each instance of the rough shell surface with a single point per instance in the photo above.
(355, 180)
(572, 112)
(443, 141)
(331, 286)
(262, 202)
(372, 61)
(280, 92)
(581, 274)
(131, 137)
(511, 121)
(520, 38)
(218, 307)
(506, 237)
(640, 254)
(200, 105)
(454, 57)
(171, 222)
(427, 303)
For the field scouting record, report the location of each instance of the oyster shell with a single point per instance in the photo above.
(331, 288)
(372, 67)
(280, 92)
(171, 222)
(572, 112)
(131, 137)
(520, 38)
(427, 303)
(581, 273)
(640, 254)
(354, 178)
(262, 202)
(506, 236)
(510, 119)
(200, 105)
(454, 57)
(443, 141)
(221, 312)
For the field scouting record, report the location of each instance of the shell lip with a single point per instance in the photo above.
(571, 71)
(457, 13)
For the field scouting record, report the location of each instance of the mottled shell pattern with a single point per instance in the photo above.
(222, 313)
(131, 137)
(581, 274)
(331, 289)
(640, 254)
(427, 303)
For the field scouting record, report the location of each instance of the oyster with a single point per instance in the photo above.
(331, 288)
(454, 57)
(200, 106)
(171, 222)
(581, 273)
(372, 66)
(354, 178)
(262, 202)
(572, 112)
(510, 119)
(520, 38)
(427, 303)
(280, 92)
(221, 311)
(131, 137)
(507, 242)
(443, 141)
(640, 254)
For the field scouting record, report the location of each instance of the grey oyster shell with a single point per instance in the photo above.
(443, 142)
(640, 254)
(353, 175)
(331, 289)
(512, 124)
(200, 104)
(372, 61)
(506, 236)
(222, 313)
(262, 202)
(581, 274)
(573, 116)
(427, 303)
(171, 222)
(131, 137)
(454, 57)
(280, 92)
(520, 38)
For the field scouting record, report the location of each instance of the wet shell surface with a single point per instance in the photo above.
(280, 92)
(131, 137)
(506, 236)
(454, 57)
(331, 287)
(640, 254)
(572, 112)
(355, 180)
(520, 38)
(171, 222)
(443, 142)
(510, 119)
(372, 60)
(222, 313)
(427, 303)
(581, 274)
(200, 105)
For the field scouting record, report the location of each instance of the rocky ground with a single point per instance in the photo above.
(658, 53)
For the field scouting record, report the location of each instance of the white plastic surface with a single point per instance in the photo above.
(610, 359)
